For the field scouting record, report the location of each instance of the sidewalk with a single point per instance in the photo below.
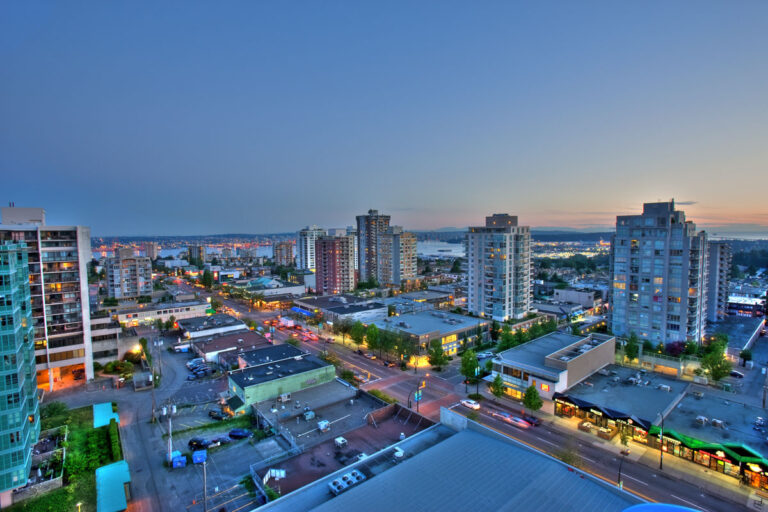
(675, 468)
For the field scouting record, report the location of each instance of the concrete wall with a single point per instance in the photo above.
(586, 364)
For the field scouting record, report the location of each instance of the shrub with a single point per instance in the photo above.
(382, 396)
(114, 440)
(97, 366)
(53, 409)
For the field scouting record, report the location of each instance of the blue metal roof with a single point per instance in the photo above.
(110, 487)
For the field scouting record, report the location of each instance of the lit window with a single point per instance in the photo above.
(544, 387)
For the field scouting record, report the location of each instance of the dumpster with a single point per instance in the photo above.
(179, 462)
(199, 456)
(174, 454)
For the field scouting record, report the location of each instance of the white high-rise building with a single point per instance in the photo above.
(499, 268)
(58, 275)
(396, 257)
(305, 247)
(128, 276)
(659, 277)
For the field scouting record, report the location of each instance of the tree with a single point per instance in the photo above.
(159, 324)
(745, 355)
(716, 363)
(494, 330)
(632, 349)
(207, 279)
(647, 346)
(372, 337)
(497, 387)
(215, 304)
(342, 327)
(357, 333)
(436, 356)
(456, 267)
(469, 366)
(575, 329)
(531, 400)
(507, 338)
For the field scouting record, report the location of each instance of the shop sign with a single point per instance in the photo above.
(596, 413)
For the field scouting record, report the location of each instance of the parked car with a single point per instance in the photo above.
(239, 433)
(195, 362)
(360, 352)
(485, 355)
(192, 377)
(222, 440)
(737, 375)
(470, 404)
(216, 415)
(78, 374)
(370, 355)
(198, 443)
(389, 364)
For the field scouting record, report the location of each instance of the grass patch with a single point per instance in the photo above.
(382, 395)
(476, 396)
(241, 421)
(87, 450)
(247, 482)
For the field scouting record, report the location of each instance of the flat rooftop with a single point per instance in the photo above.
(532, 355)
(245, 340)
(413, 484)
(615, 391)
(739, 419)
(349, 309)
(159, 306)
(204, 323)
(427, 322)
(329, 301)
(425, 295)
(270, 354)
(266, 372)
(738, 328)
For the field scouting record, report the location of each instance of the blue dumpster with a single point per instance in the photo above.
(179, 462)
(199, 457)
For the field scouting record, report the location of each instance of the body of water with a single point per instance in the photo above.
(439, 250)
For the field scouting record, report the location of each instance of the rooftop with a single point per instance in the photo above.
(425, 295)
(738, 418)
(349, 309)
(329, 301)
(204, 323)
(738, 328)
(611, 388)
(269, 354)
(532, 355)
(266, 372)
(245, 340)
(459, 456)
(157, 306)
(429, 322)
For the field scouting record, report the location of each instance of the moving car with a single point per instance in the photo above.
(470, 404)
(518, 422)
(239, 433)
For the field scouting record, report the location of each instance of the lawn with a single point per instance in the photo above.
(87, 449)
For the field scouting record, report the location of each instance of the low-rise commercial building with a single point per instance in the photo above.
(212, 349)
(268, 286)
(210, 326)
(276, 377)
(426, 326)
(739, 305)
(148, 314)
(742, 333)
(366, 313)
(552, 363)
(587, 299)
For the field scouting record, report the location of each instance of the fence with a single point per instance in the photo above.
(40, 488)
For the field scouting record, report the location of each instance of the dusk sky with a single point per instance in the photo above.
(253, 117)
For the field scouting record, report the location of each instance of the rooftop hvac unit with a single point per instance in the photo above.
(718, 423)
(665, 387)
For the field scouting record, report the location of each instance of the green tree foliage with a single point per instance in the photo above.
(372, 337)
(632, 348)
(357, 333)
(497, 386)
(436, 356)
(469, 364)
(456, 267)
(745, 355)
(207, 279)
(647, 347)
(110, 302)
(494, 330)
(215, 304)
(715, 362)
(531, 400)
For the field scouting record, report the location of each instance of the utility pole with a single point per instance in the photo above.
(205, 487)
(661, 441)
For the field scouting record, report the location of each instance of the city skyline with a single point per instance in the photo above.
(257, 118)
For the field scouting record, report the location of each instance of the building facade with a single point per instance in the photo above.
(499, 268)
(197, 253)
(719, 256)
(58, 257)
(659, 277)
(20, 417)
(128, 276)
(335, 258)
(396, 257)
(305, 247)
(369, 228)
(151, 250)
(282, 253)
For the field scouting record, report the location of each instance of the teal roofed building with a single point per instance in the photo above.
(20, 417)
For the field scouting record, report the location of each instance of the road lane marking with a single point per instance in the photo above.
(635, 479)
(688, 502)
(545, 441)
(587, 458)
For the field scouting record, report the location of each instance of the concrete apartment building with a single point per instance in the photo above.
(553, 363)
(588, 299)
(197, 253)
(335, 264)
(19, 417)
(109, 340)
(397, 257)
(659, 276)
(305, 246)
(719, 255)
(369, 229)
(128, 276)
(58, 274)
(282, 253)
(151, 250)
(499, 282)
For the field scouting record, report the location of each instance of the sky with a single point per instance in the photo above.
(182, 118)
